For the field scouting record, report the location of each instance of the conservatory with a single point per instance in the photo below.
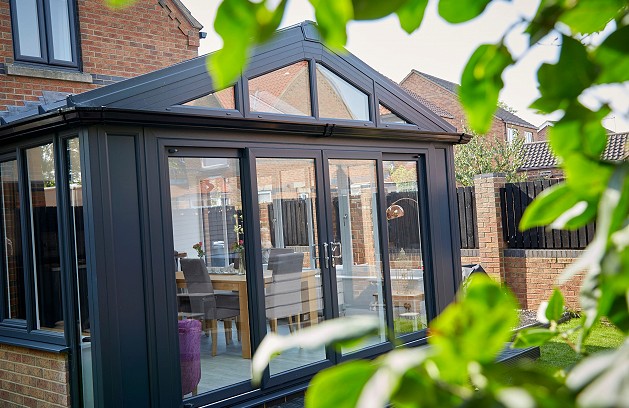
(155, 230)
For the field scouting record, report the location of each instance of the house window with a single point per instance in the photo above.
(284, 91)
(528, 137)
(338, 98)
(511, 134)
(44, 31)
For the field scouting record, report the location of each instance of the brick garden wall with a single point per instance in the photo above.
(114, 44)
(531, 274)
(31, 378)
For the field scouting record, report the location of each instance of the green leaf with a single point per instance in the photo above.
(589, 16)
(579, 131)
(554, 310)
(481, 83)
(455, 11)
(561, 83)
(486, 312)
(371, 10)
(339, 386)
(332, 18)
(411, 14)
(587, 176)
(313, 337)
(532, 337)
(548, 206)
(613, 57)
(117, 4)
(545, 19)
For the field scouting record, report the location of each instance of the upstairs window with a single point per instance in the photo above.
(528, 137)
(511, 134)
(44, 31)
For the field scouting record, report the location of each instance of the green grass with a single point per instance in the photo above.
(557, 355)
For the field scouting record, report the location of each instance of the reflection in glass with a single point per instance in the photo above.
(288, 230)
(284, 91)
(13, 262)
(43, 206)
(387, 116)
(209, 256)
(28, 27)
(223, 99)
(60, 30)
(356, 248)
(75, 188)
(405, 252)
(339, 99)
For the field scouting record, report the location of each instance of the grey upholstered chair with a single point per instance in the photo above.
(283, 293)
(203, 299)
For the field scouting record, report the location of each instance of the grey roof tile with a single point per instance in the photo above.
(539, 155)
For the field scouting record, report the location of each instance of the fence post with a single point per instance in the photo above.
(491, 243)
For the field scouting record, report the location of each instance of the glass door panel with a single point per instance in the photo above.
(214, 341)
(405, 251)
(355, 246)
(287, 198)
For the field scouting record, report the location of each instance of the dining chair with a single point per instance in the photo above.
(204, 300)
(283, 293)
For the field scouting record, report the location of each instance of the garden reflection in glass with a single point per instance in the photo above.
(405, 252)
(206, 204)
(290, 260)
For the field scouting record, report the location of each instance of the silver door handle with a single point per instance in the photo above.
(333, 247)
(325, 254)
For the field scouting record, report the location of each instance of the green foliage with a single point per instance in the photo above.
(489, 154)
(481, 83)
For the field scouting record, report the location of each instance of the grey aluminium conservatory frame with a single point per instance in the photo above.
(128, 130)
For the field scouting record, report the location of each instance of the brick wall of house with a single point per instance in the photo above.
(32, 378)
(540, 174)
(450, 102)
(114, 44)
(531, 274)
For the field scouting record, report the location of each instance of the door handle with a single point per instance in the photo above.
(325, 255)
(334, 257)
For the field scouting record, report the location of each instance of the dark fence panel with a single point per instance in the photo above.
(295, 221)
(466, 199)
(515, 197)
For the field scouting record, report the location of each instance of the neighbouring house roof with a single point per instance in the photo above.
(501, 113)
(538, 155)
(438, 110)
(186, 13)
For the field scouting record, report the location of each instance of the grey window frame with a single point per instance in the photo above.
(45, 35)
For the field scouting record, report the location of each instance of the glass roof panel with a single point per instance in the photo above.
(284, 91)
(223, 99)
(339, 99)
(387, 116)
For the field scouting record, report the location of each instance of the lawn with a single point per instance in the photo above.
(557, 355)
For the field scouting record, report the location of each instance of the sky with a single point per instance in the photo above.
(442, 50)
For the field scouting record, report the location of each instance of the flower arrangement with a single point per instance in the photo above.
(199, 248)
(238, 246)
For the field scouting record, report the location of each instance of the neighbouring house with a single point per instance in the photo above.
(542, 131)
(441, 97)
(138, 215)
(540, 162)
(50, 49)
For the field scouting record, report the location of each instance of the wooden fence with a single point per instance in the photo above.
(515, 197)
(467, 217)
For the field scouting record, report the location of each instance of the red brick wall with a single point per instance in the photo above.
(114, 44)
(31, 378)
(450, 102)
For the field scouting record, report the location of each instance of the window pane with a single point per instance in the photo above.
(338, 99)
(75, 184)
(209, 255)
(386, 116)
(28, 27)
(405, 252)
(60, 29)
(43, 206)
(288, 230)
(285, 91)
(223, 99)
(13, 262)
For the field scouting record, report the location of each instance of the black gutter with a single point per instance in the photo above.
(75, 116)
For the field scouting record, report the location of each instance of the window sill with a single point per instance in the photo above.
(47, 73)
(33, 345)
